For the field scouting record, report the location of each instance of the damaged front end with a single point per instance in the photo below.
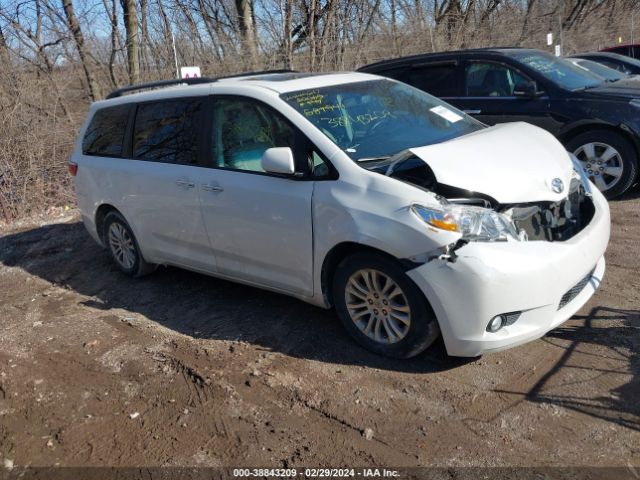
(555, 221)
(479, 217)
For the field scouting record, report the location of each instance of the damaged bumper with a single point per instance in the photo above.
(547, 282)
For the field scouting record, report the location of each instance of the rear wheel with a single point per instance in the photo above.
(608, 158)
(381, 307)
(123, 247)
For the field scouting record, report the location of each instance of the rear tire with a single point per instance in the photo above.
(608, 158)
(381, 307)
(123, 246)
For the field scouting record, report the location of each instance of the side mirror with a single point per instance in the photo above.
(526, 90)
(278, 160)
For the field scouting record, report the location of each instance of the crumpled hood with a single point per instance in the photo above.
(511, 162)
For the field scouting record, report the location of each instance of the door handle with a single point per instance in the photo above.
(211, 188)
(472, 112)
(185, 183)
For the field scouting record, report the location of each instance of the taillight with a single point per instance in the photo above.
(73, 169)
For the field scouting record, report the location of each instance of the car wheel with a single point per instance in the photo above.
(123, 247)
(608, 158)
(381, 307)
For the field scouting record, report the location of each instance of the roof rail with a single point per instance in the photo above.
(259, 72)
(162, 83)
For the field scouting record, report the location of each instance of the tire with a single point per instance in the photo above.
(396, 338)
(117, 236)
(596, 146)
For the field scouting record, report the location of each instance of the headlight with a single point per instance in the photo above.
(474, 223)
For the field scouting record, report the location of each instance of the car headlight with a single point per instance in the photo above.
(474, 223)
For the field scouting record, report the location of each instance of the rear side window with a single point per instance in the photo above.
(395, 73)
(167, 131)
(105, 135)
(439, 80)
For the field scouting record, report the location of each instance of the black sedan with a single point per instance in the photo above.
(622, 63)
(598, 121)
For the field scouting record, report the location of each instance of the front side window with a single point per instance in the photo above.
(167, 131)
(378, 118)
(243, 129)
(616, 66)
(105, 134)
(488, 79)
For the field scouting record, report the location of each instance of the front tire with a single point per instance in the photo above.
(381, 307)
(123, 246)
(608, 158)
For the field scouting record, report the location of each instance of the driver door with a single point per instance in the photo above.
(259, 224)
(488, 89)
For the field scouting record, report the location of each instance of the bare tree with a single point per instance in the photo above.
(246, 26)
(94, 88)
(131, 27)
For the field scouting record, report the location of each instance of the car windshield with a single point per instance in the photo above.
(375, 119)
(605, 72)
(558, 70)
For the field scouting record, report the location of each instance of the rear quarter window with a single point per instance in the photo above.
(105, 134)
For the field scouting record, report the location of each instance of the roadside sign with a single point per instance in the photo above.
(549, 39)
(190, 72)
(558, 51)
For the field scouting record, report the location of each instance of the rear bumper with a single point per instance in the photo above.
(490, 279)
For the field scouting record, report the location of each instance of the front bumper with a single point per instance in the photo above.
(490, 279)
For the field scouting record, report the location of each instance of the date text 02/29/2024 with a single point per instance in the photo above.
(315, 472)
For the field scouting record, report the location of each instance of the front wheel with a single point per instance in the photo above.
(608, 159)
(381, 307)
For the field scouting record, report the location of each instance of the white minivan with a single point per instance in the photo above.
(349, 191)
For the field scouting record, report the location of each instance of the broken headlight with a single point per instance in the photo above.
(474, 223)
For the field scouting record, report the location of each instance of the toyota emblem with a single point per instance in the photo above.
(557, 185)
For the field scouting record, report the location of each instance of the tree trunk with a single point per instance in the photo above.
(5, 60)
(72, 22)
(131, 28)
(288, 50)
(247, 30)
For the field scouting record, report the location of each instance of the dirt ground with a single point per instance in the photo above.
(179, 369)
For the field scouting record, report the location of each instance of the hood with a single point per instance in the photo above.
(511, 162)
(624, 88)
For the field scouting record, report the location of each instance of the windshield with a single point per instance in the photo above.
(375, 119)
(602, 70)
(559, 70)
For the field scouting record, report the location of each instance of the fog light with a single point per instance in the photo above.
(495, 324)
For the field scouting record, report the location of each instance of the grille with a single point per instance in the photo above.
(557, 221)
(575, 290)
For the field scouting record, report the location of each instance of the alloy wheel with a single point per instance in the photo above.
(377, 306)
(602, 163)
(122, 246)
